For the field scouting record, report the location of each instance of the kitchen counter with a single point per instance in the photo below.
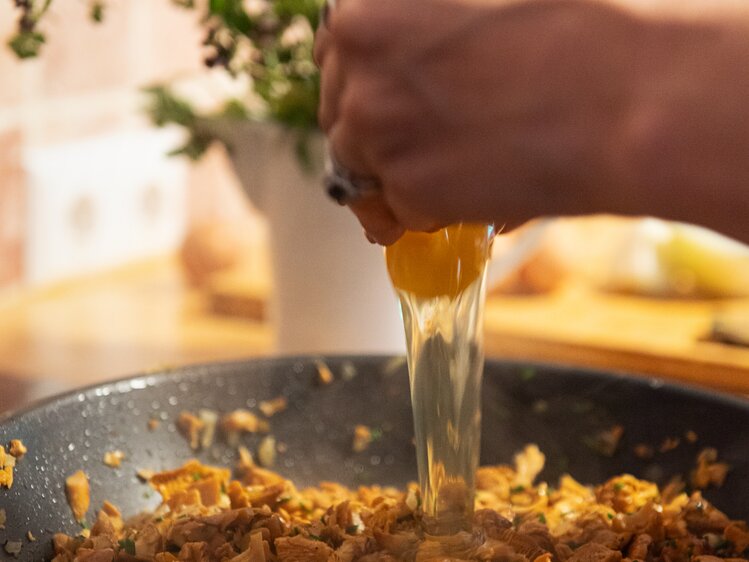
(145, 316)
(133, 319)
(662, 337)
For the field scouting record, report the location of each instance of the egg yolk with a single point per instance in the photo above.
(439, 264)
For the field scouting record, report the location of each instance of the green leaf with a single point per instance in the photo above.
(235, 109)
(217, 6)
(97, 11)
(26, 44)
(165, 108)
(232, 13)
(310, 9)
(298, 106)
(194, 148)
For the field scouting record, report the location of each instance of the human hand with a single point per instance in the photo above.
(470, 111)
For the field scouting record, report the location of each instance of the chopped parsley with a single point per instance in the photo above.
(610, 515)
(196, 476)
(316, 537)
(618, 486)
(542, 518)
(128, 545)
(517, 489)
(352, 529)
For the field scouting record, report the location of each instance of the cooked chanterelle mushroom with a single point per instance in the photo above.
(262, 517)
(16, 451)
(79, 494)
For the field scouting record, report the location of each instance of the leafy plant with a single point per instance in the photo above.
(270, 41)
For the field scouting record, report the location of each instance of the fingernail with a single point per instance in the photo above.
(370, 237)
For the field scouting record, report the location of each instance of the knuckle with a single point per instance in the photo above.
(355, 111)
(321, 46)
(404, 210)
(408, 195)
(356, 24)
(364, 106)
(325, 117)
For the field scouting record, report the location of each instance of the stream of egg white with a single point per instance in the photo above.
(445, 363)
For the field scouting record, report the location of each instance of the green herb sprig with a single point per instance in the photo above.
(270, 41)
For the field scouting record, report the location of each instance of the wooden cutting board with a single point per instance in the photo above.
(668, 338)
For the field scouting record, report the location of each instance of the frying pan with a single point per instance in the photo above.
(561, 409)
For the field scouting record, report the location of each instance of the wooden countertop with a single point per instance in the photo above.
(145, 316)
(659, 337)
(136, 318)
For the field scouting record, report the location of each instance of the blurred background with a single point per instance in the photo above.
(117, 257)
(93, 213)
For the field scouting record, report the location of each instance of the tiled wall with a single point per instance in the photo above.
(85, 86)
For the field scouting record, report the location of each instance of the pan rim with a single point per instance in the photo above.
(637, 379)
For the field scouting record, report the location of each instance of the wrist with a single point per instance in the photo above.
(688, 125)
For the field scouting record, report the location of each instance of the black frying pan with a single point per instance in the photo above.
(560, 409)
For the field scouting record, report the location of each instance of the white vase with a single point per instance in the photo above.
(331, 289)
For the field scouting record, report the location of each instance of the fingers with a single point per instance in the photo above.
(373, 212)
(349, 151)
(332, 84)
(377, 219)
(323, 41)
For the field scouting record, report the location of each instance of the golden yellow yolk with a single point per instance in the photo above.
(442, 263)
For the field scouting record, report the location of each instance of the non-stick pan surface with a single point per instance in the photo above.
(560, 409)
